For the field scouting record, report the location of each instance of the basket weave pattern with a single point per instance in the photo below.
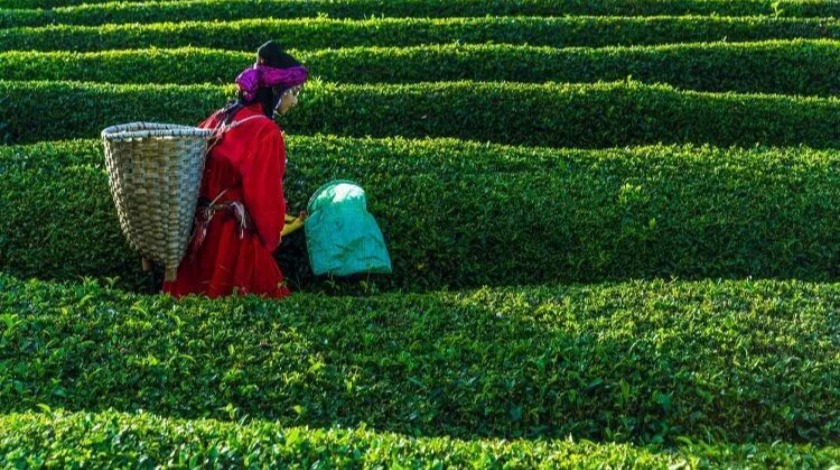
(154, 172)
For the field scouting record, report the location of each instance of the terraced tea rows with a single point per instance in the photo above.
(545, 177)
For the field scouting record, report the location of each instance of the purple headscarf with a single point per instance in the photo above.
(263, 76)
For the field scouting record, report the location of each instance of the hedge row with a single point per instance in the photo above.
(115, 440)
(555, 115)
(94, 13)
(638, 362)
(810, 66)
(464, 215)
(222, 10)
(323, 33)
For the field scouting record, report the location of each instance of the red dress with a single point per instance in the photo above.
(249, 163)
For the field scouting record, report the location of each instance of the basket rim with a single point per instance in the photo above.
(152, 129)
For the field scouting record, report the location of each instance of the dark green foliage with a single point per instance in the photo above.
(23, 18)
(462, 215)
(39, 111)
(554, 115)
(220, 10)
(111, 439)
(60, 205)
(5, 134)
(322, 33)
(640, 362)
(810, 66)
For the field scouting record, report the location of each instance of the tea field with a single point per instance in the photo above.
(614, 226)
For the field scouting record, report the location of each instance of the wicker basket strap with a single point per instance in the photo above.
(222, 129)
(226, 127)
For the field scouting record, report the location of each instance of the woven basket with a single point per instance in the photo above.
(154, 171)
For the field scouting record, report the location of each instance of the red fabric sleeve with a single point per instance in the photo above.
(262, 185)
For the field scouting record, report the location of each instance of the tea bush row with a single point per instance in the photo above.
(810, 67)
(458, 214)
(112, 439)
(323, 33)
(207, 10)
(637, 362)
(555, 115)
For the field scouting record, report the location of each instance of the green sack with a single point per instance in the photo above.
(342, 237)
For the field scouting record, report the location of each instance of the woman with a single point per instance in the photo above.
(242, 208)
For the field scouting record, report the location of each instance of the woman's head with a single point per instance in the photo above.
(274, 80)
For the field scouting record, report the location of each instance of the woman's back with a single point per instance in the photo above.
(241, 212)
